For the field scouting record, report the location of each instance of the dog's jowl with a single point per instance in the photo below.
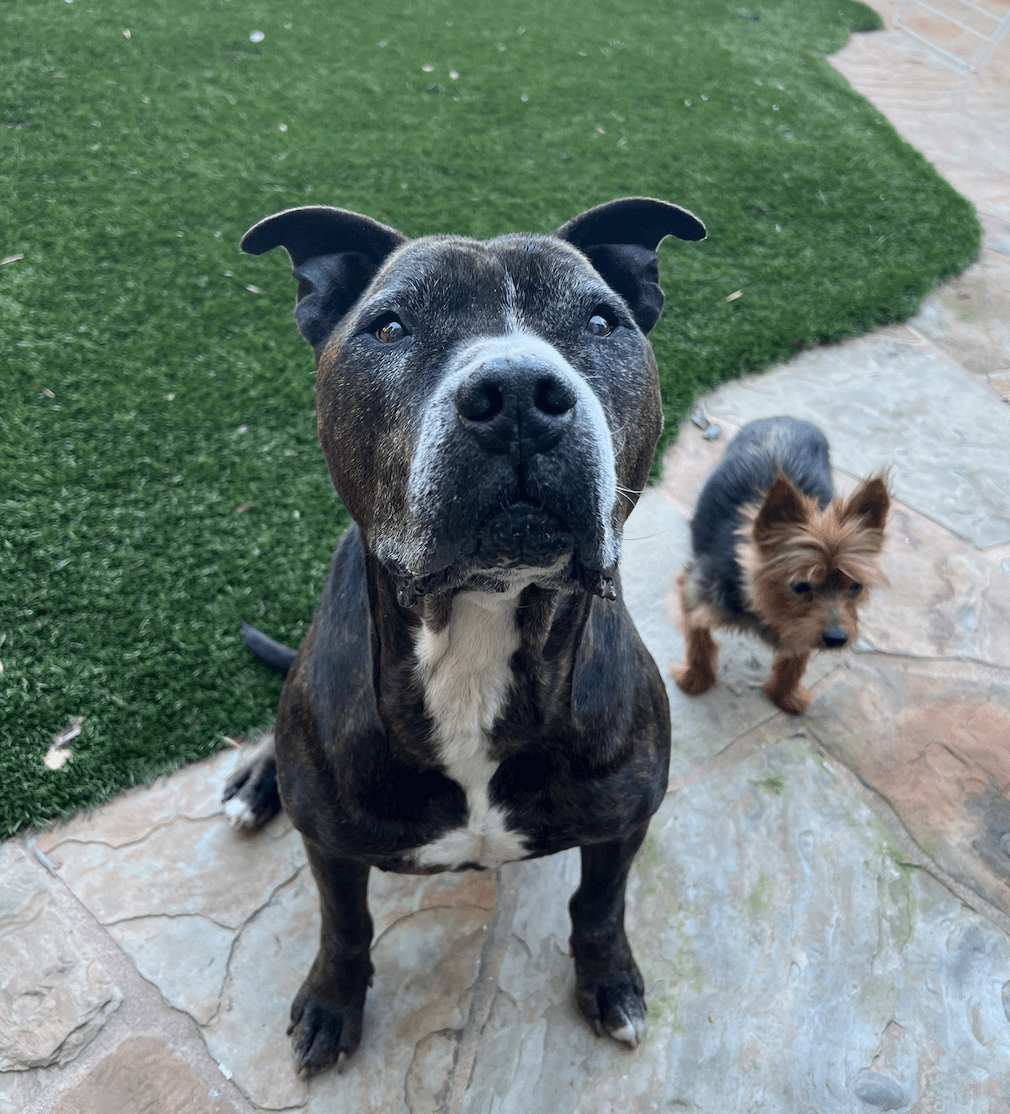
(471, 689)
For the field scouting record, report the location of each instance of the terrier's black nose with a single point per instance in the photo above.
(834, 637)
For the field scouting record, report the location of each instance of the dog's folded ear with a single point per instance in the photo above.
(334, 255)
(620, 239)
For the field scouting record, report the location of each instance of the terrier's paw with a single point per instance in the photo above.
(795, 701)
(615, 1004)
(692, 680)
(322, 1033)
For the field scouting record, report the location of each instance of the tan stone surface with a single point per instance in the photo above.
(143, 1076)
(186, 957)
(1000, 61)
(886, 402)
(933, 738)
(690, 460)
(425, 960)
(968, 318)
(194, 792)
(248, 1036)
(54, 994)
(425, 969)
(945, 598)
(791, 963)
(392, 897)
(182, 867)
(18, 1089)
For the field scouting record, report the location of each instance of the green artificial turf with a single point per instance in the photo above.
(152, 382)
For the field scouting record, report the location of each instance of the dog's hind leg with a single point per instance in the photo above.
(608, 983)
(783, 687)
(251, 797)
(327, 1012)
(697, 674)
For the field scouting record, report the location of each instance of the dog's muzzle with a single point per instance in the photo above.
(514, 469)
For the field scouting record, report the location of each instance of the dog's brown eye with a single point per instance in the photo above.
(391, 331)
(599, 326)
(801, 587)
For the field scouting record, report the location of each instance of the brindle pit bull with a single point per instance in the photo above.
(472, 689)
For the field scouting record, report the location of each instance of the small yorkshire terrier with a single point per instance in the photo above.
(774, 553)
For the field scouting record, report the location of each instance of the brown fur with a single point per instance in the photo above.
(784, 543)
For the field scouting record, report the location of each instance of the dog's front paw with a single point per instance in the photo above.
(795, 701)
(251, 797)
(614, 1004)
(692, 680)
(322, 1033)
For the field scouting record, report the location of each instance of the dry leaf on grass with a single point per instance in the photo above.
(58, 753)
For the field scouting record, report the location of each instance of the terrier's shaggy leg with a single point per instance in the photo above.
(783, 687)
(697, 674)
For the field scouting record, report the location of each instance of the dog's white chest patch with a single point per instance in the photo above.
(465, 672)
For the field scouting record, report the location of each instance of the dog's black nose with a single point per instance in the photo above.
(834, 637)
(508, 402)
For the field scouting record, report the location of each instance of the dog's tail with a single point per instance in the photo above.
(267, 651)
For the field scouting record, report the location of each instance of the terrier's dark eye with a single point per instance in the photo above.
(855, 589)
(599, 326)
(389, 332)
(801, 587)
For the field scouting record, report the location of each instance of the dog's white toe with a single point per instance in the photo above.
(631, 1032)
(239, 814)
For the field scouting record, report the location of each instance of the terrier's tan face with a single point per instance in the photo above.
(809, 571)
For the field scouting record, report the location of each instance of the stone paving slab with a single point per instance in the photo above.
(143, 1074)
(141, 879)
(792, 963)
(54, 993)
(945, 436)
(768, 910)
(968, 318)
(933, 739)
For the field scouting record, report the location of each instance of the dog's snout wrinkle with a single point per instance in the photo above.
(505, 403)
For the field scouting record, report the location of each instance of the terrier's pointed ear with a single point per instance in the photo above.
(334, 256)
(870, 502)
(620, 240)
(783, 507)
